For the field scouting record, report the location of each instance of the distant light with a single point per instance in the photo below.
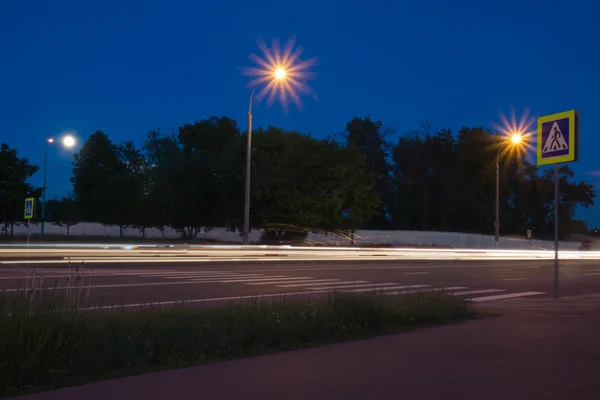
(516, 138)
(50, 140)
(68, 141)
(280, 73)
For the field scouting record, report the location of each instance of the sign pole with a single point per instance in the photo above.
(556, 216)
(557, 142)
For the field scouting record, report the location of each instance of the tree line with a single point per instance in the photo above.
(193, 180)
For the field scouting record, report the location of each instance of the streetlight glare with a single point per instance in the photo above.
(516, 138)
(281, 72)
(68, 141)
(50, 140)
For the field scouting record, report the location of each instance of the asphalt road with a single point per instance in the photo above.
(213, 282)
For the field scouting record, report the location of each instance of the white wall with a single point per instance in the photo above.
(362, 237)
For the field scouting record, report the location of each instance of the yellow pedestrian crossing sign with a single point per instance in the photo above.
(558, 138)
(29, 205)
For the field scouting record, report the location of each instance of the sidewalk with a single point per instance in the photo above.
(539, 349)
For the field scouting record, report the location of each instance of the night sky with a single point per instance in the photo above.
(125, 67)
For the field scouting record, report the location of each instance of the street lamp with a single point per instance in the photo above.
(516, 139)
(68, 141)
(282, 75)
(278, 75)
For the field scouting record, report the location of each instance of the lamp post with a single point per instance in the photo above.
(67, 141)
(278, 74)
(246, 239)
(516, 139)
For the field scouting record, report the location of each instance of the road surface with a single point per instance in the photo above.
(113, 282)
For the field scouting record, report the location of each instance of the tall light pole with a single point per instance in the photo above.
(246, 238)
(67, 141)
(278, 74)
(515, 140)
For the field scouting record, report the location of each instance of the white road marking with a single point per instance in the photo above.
(384, 288)
(321, 284)
(515, 279)
(217, 276)
(417, 273)
(482, 291)
(264, 279)
(287, 280)
(190, 282)
(500, 270)
(427, 290)
(176, 274)
(207, 300)
(505, 296)
(354, 286)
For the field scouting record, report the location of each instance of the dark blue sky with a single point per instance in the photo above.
(125, 67)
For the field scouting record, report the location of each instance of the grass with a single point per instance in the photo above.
(48, 340)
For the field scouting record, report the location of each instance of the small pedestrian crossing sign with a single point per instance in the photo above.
(556, 141)
(29, 205)
(558, 138)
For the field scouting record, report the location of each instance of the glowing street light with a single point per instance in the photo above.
(67, 141)
(283, 76)
(515, 136)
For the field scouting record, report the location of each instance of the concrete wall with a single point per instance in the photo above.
(362, 237)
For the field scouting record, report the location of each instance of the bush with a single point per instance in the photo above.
(47, 341)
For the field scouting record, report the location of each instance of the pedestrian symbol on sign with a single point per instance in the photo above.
(556, 140)
(29, 204)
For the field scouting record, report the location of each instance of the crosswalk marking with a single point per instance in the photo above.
(505, 296)
(324, 285)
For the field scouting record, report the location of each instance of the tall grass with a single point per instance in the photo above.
(47, 339)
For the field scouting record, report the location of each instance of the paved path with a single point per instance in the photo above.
(540, 349)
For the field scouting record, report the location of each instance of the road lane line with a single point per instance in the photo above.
(384, 288)
(514, 279)
(500, 270)
(265, 279)
(505, 296)
(481, 291)
(595, 273)
(304, 281)
(426, 290)
(417, 273)
(189, 282)
(163, 303)
(354, 286)
(321, 284)
(234, 276)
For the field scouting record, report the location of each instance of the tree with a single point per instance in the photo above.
(64, 212)
(107, 182)
(157, 151)
(14, 187)
(306, 184)
(423, 177)
(368, 136)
